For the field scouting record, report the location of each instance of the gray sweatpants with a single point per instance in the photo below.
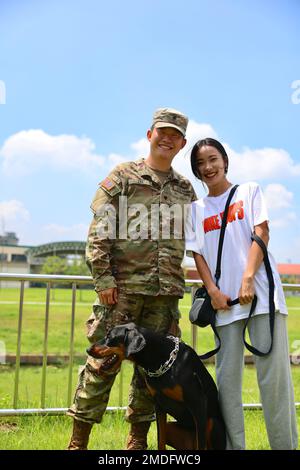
(273, 376)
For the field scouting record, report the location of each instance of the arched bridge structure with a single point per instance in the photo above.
(55, 249)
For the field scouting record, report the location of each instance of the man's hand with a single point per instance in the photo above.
(108, 296)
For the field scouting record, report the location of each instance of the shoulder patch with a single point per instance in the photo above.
(107, 184)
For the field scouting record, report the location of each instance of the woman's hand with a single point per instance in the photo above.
(219, 300)
(247, 290)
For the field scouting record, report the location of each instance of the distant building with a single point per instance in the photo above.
(21, 259)
(9, 238)
(13, 258)
(289, 273)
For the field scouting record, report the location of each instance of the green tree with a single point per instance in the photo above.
(55, 265)
(78, 268)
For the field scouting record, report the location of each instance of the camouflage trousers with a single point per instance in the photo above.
(158, 313)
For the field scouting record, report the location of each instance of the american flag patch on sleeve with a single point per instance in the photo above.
(107, 184)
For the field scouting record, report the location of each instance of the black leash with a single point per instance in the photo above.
(252, 349)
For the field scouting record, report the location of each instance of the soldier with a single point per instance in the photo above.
(136, 266)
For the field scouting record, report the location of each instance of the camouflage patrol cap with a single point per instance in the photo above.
(169, 117)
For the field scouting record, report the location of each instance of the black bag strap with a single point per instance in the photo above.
(213, 351)
(218, 271)
(252, 349)
(222, 233)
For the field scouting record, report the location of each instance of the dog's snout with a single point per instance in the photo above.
(92, 350)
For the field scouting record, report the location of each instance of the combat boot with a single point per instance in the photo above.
(80, 436)
(137, 437)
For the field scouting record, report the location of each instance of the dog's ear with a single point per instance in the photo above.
(134, 342)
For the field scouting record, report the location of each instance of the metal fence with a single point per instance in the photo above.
(74, 281)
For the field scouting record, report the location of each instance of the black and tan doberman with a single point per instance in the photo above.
(176, 378)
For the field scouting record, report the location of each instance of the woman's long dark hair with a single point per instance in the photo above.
(208, 142)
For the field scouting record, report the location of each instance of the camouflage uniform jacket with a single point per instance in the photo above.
(151, 263)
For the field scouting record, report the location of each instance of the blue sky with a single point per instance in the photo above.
(79, 81)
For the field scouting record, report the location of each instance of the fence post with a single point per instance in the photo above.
(71, 355)
(18, 356)
(45, 352)
(193, 327)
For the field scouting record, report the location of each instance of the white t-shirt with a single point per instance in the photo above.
(247, 209)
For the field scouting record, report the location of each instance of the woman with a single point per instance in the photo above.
(242, 275)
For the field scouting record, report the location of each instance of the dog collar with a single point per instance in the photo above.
(166, 366)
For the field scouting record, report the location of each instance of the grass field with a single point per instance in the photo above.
(53, 432)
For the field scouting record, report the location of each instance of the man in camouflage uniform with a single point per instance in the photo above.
(136, 267)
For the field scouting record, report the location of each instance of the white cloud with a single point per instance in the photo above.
(279, 200)
(27, 151)
(141, 147)
(56, 232)
(277, 196)
(286, 220)
(247, 165)
(261, 164)
(114, 159)
(13, 211)
(197, 131)
(14, 217)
